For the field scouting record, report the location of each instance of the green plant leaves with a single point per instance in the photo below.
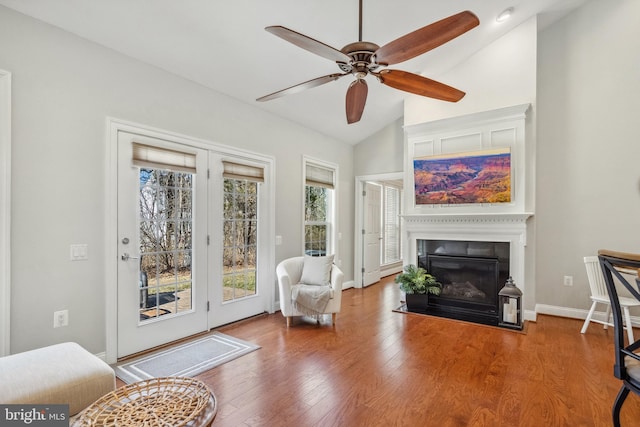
(416, 280)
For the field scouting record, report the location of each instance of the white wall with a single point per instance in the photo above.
(63, 89)
(381, 152)
(588, 186)
(500, 75)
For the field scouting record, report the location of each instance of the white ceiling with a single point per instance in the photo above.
(223, 45)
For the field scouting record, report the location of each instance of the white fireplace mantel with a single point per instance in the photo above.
(465, 218)
(478, 227)
(470, 226)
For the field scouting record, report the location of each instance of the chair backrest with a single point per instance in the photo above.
(595, 276)
(611, 263)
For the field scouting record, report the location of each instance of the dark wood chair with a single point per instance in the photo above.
(620, 267)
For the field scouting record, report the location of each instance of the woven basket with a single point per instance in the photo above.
(170, 401)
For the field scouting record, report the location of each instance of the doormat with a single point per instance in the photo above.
(185, 360)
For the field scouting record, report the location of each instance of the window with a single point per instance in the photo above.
(240, 230)
(391, 225)
(318, 208)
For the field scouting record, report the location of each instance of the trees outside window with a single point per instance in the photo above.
(316, 224)
(319, 192)
(240, 231)
(165, 221)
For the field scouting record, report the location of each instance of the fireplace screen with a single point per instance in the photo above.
(466, 278)
(471, 274)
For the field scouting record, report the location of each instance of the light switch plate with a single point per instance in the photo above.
(79, 252)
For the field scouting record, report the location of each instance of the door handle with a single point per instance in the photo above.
(126, 257)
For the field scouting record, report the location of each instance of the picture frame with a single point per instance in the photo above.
(462, 178)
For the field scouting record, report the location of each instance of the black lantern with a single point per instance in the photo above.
(510, 306)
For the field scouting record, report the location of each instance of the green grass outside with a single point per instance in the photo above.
(246, 280)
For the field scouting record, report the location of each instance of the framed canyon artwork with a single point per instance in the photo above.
(459, 178)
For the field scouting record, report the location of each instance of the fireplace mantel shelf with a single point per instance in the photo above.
(469, 218)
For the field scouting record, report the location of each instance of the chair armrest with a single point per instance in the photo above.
(284, 286)
(288, 273)
(337, 278)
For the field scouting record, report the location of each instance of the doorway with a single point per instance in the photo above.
(373, 261)
(178, 208)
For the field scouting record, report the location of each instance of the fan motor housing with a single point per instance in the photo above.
(360, 54)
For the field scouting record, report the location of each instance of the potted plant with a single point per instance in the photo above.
(417, 284)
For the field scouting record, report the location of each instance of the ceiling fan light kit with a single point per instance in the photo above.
(362, 58)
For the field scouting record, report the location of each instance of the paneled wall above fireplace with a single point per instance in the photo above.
(505, 128)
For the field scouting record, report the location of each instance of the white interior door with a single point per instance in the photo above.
(372, 233)
(162, 233)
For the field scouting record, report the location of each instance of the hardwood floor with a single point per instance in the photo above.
(377, 367)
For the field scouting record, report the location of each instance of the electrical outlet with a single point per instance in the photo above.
(60, 318)
(568, 280)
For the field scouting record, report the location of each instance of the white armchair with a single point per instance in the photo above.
(289, 272)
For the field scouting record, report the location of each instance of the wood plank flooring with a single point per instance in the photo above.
(377, 367)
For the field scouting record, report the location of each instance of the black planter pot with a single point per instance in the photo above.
(417, 302)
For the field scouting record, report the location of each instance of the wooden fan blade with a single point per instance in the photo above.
(356, 98)
(312, 45)
(426, 38)
(302, 86)
(419, 85)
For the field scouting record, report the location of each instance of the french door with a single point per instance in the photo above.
(239, 256)
(194, 227)
(162, 242)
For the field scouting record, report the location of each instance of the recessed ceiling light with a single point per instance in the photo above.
(504, 15)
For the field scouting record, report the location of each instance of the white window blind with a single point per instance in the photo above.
(240, 171)
(148, 156)
(391, 225)
(319, 177)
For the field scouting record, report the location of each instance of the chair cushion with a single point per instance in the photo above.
(316, 270)
(633, 367)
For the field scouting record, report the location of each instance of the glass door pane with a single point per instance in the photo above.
(240, 231)
(165, 223)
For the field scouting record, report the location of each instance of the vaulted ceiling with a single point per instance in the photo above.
(223, 45)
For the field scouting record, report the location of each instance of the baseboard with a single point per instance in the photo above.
(530, 315)
(102, 356)
(575, 313)
(392, 269)
(348, 284)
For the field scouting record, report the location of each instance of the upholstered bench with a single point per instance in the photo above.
(59, 374)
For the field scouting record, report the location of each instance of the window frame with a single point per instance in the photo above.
(331, 209)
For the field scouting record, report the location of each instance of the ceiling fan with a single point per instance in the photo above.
(362, 58)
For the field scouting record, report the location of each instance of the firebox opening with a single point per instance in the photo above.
(472, 273)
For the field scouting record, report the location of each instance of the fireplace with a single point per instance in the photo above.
(481, 238)
(471, 273)
(444, 242)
